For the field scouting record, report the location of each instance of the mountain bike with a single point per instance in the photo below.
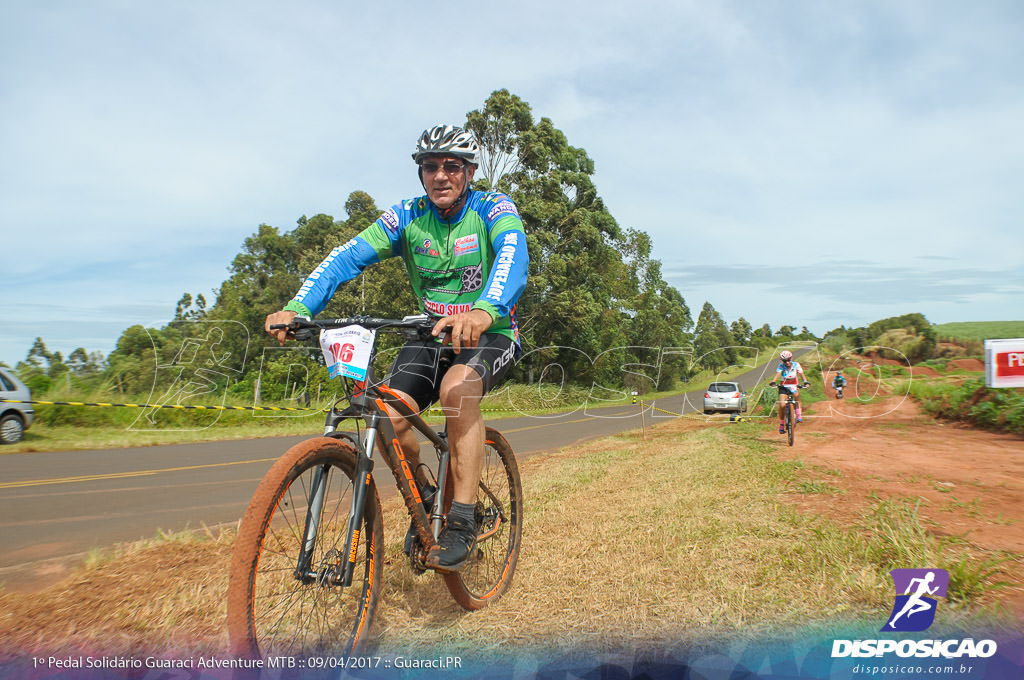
(839, 391)
(789, 417)
(307, 565)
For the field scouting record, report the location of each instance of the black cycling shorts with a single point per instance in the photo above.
(421, 365)
(784, 390)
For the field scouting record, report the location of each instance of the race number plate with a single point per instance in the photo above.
(347, 351)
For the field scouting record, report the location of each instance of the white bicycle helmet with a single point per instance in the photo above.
(786, 355)
(449, 140)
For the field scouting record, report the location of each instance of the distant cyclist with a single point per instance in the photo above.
(786, 380)
(838, 383)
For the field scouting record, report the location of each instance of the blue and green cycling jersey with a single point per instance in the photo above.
(478, 260)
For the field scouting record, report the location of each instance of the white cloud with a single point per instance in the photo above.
(161, 136)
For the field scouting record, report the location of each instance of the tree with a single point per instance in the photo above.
(658, 316)
(132, 364)
(382, 289)
(741, 330)
(41, 361)
(38, 355)
(498, 127)
(857, 339)
(713, 344)
(592, 286)
(188, 309)
(263, 277)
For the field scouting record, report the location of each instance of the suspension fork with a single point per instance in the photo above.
(313, 511)
(360, 488)
(314, 508)
(361, 478)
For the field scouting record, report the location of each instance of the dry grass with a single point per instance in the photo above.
(632, 545)
(150, 597)
(628, 544)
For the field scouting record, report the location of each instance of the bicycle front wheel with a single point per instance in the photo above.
(790, 423)
(277, 606)
(487, 573)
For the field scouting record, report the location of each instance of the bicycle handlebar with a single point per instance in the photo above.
(302, 328)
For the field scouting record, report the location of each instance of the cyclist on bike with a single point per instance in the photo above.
(838, 382)
(788, 371)
(465, 252)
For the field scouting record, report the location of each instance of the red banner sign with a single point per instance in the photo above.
(1004, 363)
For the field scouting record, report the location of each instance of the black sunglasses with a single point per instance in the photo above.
(450, 167)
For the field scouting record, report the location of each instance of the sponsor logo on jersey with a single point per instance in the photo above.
(446, 308)
(425, 249)
(505, 206)
(452, 281)
(389, 220)
(503, 265)
(505, 358)
(467, 244)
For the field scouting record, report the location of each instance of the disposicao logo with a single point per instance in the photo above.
(914, 609)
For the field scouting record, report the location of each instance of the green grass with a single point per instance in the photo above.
(972, 402)
(60, 427)
(816, 487)
(980, 330)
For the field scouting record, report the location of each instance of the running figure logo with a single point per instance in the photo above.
(914, 609)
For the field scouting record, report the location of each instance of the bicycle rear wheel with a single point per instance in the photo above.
(499, 517)
(272, 608)
(790, 423)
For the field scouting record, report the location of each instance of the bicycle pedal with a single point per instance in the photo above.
(431, 562)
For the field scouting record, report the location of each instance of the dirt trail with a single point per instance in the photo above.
(970, 482)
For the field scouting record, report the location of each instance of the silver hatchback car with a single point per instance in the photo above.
(725, 397)
(14, 418)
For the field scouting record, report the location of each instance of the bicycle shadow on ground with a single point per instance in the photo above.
(412, 602)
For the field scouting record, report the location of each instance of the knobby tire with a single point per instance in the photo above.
(270, 611)
(488, 573)
(790, 423)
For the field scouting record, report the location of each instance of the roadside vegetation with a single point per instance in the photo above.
(683, 537)
(948, 383)
(912, 339)
(63, 427)
(973, 403)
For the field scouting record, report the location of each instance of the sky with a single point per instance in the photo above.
(801, 163)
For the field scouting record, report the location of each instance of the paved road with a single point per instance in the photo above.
(57, 506)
